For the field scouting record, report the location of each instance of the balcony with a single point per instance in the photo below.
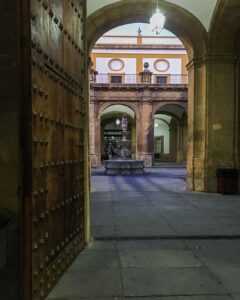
(143, 87)
(147, 78)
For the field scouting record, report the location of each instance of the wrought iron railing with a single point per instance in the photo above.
(143, 78)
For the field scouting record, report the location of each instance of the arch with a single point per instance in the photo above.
(161, 119)
(104, 106)
(108, 117)
(223, 34)
(178, 20)
(170, 112)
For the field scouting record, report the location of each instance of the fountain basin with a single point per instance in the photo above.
(124, 167)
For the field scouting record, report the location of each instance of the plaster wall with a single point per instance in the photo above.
(161, 41)
(133, 40)
(117, 40)
(175, 65)
(102, 65)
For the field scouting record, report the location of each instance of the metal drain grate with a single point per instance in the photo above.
(164, 237)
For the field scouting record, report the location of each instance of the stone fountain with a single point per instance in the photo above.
(124, 165)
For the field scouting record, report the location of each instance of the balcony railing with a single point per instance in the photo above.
(143, 78)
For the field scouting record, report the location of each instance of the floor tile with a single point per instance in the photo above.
(229, 277)
(158, 259)
(164, 281)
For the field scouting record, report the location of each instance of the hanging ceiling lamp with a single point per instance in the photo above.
(118, 121)
(157, 21)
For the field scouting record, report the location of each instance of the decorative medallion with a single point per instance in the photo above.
(161, 65)
(116, 64)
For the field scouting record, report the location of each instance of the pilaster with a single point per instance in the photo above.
(212, 121)
(221, 150)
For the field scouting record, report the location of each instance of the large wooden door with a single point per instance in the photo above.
(54, 143)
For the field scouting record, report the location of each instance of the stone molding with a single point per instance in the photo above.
(145, 47)
(213, 58)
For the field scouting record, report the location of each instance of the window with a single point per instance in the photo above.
(116, 79)
(161, 79)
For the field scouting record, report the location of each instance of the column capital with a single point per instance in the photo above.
(221, 58)
(195, 63)
(214, 58)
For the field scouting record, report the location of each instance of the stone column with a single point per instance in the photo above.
(134, 139)
(95, 136)
(222, 149)
(182, 140)
(180, 143)
(185, 138)
(138, 138)
(213, 124)
(173, 139)
(196, 176)
(146, 127)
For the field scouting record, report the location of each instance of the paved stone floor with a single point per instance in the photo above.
(156, 204)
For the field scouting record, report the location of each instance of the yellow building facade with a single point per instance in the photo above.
(124, 70)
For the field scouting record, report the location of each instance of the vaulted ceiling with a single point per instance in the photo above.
(203, 10)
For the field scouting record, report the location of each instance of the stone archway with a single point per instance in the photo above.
(111, 133)
(104, 106)
(179, 21)
(224, 29)
(194, 37)
(163, 105)
(97, 124)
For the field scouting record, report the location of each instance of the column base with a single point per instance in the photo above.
(95, 160)
(180, 158)
(147, 158)
(196, 175)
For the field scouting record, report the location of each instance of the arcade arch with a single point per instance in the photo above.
(170, 134)
(111, 131)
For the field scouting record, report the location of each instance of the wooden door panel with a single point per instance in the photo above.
(57, 139)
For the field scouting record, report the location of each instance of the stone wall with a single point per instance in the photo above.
(10, 144)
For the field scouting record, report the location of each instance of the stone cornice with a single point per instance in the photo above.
(140, 99)
(221, 57)
(138, 47)
(139, 93)
(213, 58)
(127, 87)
